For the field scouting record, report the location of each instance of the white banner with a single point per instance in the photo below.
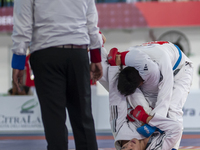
(20, 113)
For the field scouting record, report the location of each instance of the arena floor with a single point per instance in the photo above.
(190, 140)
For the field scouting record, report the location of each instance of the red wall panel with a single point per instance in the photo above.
(170, 14)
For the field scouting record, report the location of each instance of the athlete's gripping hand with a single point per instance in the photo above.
(146, 130)
(129, 114)
(116, 58)
(140, 114)
(112, 56)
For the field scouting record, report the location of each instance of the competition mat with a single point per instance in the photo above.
(181, 148)
(105, 142)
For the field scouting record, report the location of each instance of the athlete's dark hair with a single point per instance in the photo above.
(129, 79)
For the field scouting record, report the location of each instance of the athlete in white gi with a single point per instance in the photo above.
(122, 128)
(167, 75)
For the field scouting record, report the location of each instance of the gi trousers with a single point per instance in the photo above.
(62, 80)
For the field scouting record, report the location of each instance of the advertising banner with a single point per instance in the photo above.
(191, 110)
(20, 113)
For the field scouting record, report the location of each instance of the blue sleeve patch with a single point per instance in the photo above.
(18, 61)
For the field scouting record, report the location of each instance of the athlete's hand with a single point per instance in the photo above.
(146, 130)
(140, 114)
(112, 56)
(118, 59)
(96, 71)
(129, 115)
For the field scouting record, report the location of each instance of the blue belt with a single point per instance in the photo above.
(179, 59)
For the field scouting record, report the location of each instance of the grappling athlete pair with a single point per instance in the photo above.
(166, 79)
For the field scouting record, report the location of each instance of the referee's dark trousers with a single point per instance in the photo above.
(62, 80)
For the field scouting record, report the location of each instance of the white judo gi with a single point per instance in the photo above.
(123, 129)
(165, 92)
(167, 75)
